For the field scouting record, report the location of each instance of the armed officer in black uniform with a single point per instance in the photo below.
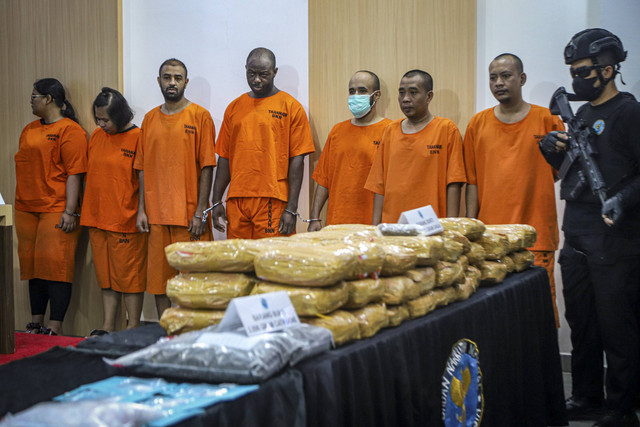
(600, 260)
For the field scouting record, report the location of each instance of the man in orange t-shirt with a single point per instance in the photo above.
(175, 160)
(346, 158)
(509, 180)
(419, 161)
(264, 137)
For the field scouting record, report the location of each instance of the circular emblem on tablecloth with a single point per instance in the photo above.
(598, 126)
(462, 400)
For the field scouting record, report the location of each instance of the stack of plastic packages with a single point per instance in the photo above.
(211, 274)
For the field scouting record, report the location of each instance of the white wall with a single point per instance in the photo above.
(538, 32)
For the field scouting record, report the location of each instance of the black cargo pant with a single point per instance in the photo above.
(601, 287)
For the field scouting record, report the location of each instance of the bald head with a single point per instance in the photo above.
(262, 53)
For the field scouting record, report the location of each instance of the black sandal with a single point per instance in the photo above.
(98, 333)
(33, 328)
(47, 331)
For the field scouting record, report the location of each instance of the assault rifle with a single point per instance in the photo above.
(578, 147)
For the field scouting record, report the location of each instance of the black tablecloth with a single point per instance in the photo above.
(391, 379)
(395, 377)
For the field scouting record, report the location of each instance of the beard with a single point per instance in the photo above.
(173, 96)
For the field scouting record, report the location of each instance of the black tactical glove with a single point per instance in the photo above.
(613, 209)
(549, 142)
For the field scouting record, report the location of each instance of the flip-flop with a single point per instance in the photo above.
(33, 328)
(98, 333)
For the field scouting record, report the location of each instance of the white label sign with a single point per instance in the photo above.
(259, 314)
(424, 216)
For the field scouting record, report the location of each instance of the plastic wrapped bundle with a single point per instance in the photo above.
(464, 261)
(218, 357)
(495, 245)
(425, 278)
(508, 262)
(371, 319)
(420, 306)
(362, 229)
(458, 237)
(229, 256)
(306, 265)
(493, 273)
(452, 250)
(466, 289)
(522, 259)
(444, 296)
(395, 289)
(342, 324)
(520, 236)
(470, 227)
(208, 290)
(474, 272)
(306, 300)
(362, 292)
(475, 254)
(370, 258)
(397, 314)
(386, 229)
(397, 260)
(448, 273)
(428, 249)
(177, 320)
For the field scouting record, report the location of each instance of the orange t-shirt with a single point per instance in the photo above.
(47, 155)
(413, 170)
(515, 183)
(343, 168)
(111, 189)
(172, 150)
(258, 136)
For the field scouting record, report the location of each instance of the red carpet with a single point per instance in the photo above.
(30, 344)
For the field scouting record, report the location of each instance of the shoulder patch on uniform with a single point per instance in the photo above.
(462, 399)
(598, 126)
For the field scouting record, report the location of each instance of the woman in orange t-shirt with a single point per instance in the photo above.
(110, 209)
(50, 161)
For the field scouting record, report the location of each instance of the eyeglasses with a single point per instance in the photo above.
(584, 71)
(36, 96)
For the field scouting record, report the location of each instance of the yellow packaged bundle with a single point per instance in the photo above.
(308, 301)
(352, 228)
(305, 265)
(176, 320)
(341, 323)
(420, 306)
(495, 245)
(445, 296)
(464, 261)
(466, 289)
(508, 262)
(428, 249)
(493, 273)
(424, 278)
(397, 314)
(520, 236)
(522, 259)
(230, 256)
(448, 273)
(475, 254)
(208, 290)
(458, 237)
(371, 319)
(362, 292)
(397, 260)
(395, 289)
(474, 272)
(470, 227)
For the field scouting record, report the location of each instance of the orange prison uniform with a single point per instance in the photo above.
(343, 168)
(515, 183)
(413, 170)
(47, 155)
(259, 136)
(111, 208)
(172, 150)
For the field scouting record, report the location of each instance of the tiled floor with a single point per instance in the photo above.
(567, 393)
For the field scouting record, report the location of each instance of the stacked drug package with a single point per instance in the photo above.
(211, 274)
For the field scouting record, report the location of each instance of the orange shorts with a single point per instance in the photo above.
(158, 269)
(254, 217)
(120, 260)
(45, 252)
(547, 259)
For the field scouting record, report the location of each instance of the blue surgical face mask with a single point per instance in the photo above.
(360, 105)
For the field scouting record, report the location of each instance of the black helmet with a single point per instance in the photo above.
(591, 42)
